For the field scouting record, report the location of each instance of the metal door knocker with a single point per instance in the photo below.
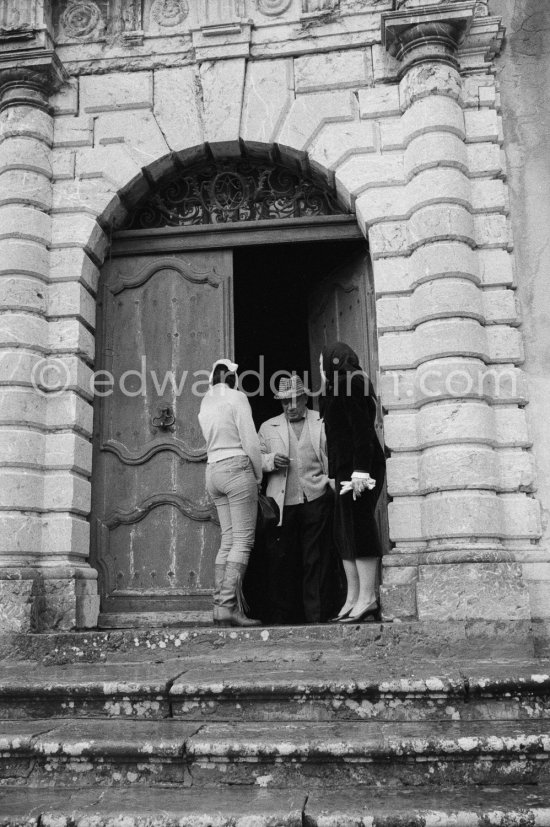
(165, 419)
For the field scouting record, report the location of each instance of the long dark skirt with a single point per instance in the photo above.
(355, 527)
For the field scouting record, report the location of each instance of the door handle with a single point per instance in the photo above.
(165, 419)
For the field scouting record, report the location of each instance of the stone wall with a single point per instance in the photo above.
(414, 147)
(524, 78)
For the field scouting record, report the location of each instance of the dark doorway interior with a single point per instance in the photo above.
(272, 286)
(270, 293)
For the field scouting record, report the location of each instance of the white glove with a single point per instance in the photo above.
(357, 485)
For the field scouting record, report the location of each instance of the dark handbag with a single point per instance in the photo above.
(268, 516)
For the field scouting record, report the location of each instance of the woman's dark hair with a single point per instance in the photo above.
(223, 374)
(338, 359)
(342, 368)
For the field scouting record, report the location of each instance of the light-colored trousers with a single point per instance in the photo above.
(233, 488)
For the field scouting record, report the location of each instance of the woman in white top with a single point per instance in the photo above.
(233, 474)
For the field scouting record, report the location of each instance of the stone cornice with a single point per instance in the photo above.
(482, 44)
(16, 33)
(427, 33)
(30, 70)
(453, 32)
(30, 77)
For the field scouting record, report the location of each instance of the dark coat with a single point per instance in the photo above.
(350, 415)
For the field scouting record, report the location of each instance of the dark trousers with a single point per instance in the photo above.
(300, 555)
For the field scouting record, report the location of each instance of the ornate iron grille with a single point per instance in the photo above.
(233, 191)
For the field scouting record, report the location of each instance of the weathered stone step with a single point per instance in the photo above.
(324, 689)
(418, 639)
(85, 807)
(242, 807)
(472, 807)
(94, 690)
(107, 753)
(353, 690)
(371, 754)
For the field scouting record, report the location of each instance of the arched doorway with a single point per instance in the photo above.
(242, 257)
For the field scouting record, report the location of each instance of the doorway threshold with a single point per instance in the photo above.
(149, 621)
(154, 620)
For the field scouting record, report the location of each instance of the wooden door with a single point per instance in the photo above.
(162, 321)
(342, 309)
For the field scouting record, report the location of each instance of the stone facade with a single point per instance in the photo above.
(522, 74)
(397, 107)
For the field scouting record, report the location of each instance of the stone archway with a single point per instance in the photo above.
(414, 151)
(166, 299)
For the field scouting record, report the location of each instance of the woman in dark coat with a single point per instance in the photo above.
(348, 407)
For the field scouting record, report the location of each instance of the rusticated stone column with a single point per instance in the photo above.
(451, 350)
(40, 581)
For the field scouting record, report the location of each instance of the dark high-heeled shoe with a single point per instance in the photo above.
(337, 618)
(371, 609)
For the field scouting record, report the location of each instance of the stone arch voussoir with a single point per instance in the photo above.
(117, 206)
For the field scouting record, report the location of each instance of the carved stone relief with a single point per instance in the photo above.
(319, 6)
(89, 20)
(272, 8)
(216, 12)
(83, 20)
(16, 15)
(169, 13)
(130, 15)
(482, 8)
(413, 4)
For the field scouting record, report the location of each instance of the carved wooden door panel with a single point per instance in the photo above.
(341, 308)
(162, 321)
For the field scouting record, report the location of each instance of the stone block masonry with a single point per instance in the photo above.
(410, 140)
(45, 465)
(448, 508)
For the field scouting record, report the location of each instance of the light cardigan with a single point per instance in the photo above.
(275, 438)
(228, 428)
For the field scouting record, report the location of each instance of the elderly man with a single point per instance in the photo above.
(294, 457)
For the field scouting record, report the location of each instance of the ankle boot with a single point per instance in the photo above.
(231, 611)
(219, 574)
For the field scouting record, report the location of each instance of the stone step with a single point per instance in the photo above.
(84, 807)
(242, 807)
(326, 688)
(371, 754)
(105, 753)
(427, 640)
(356, 691)
(479, 807)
